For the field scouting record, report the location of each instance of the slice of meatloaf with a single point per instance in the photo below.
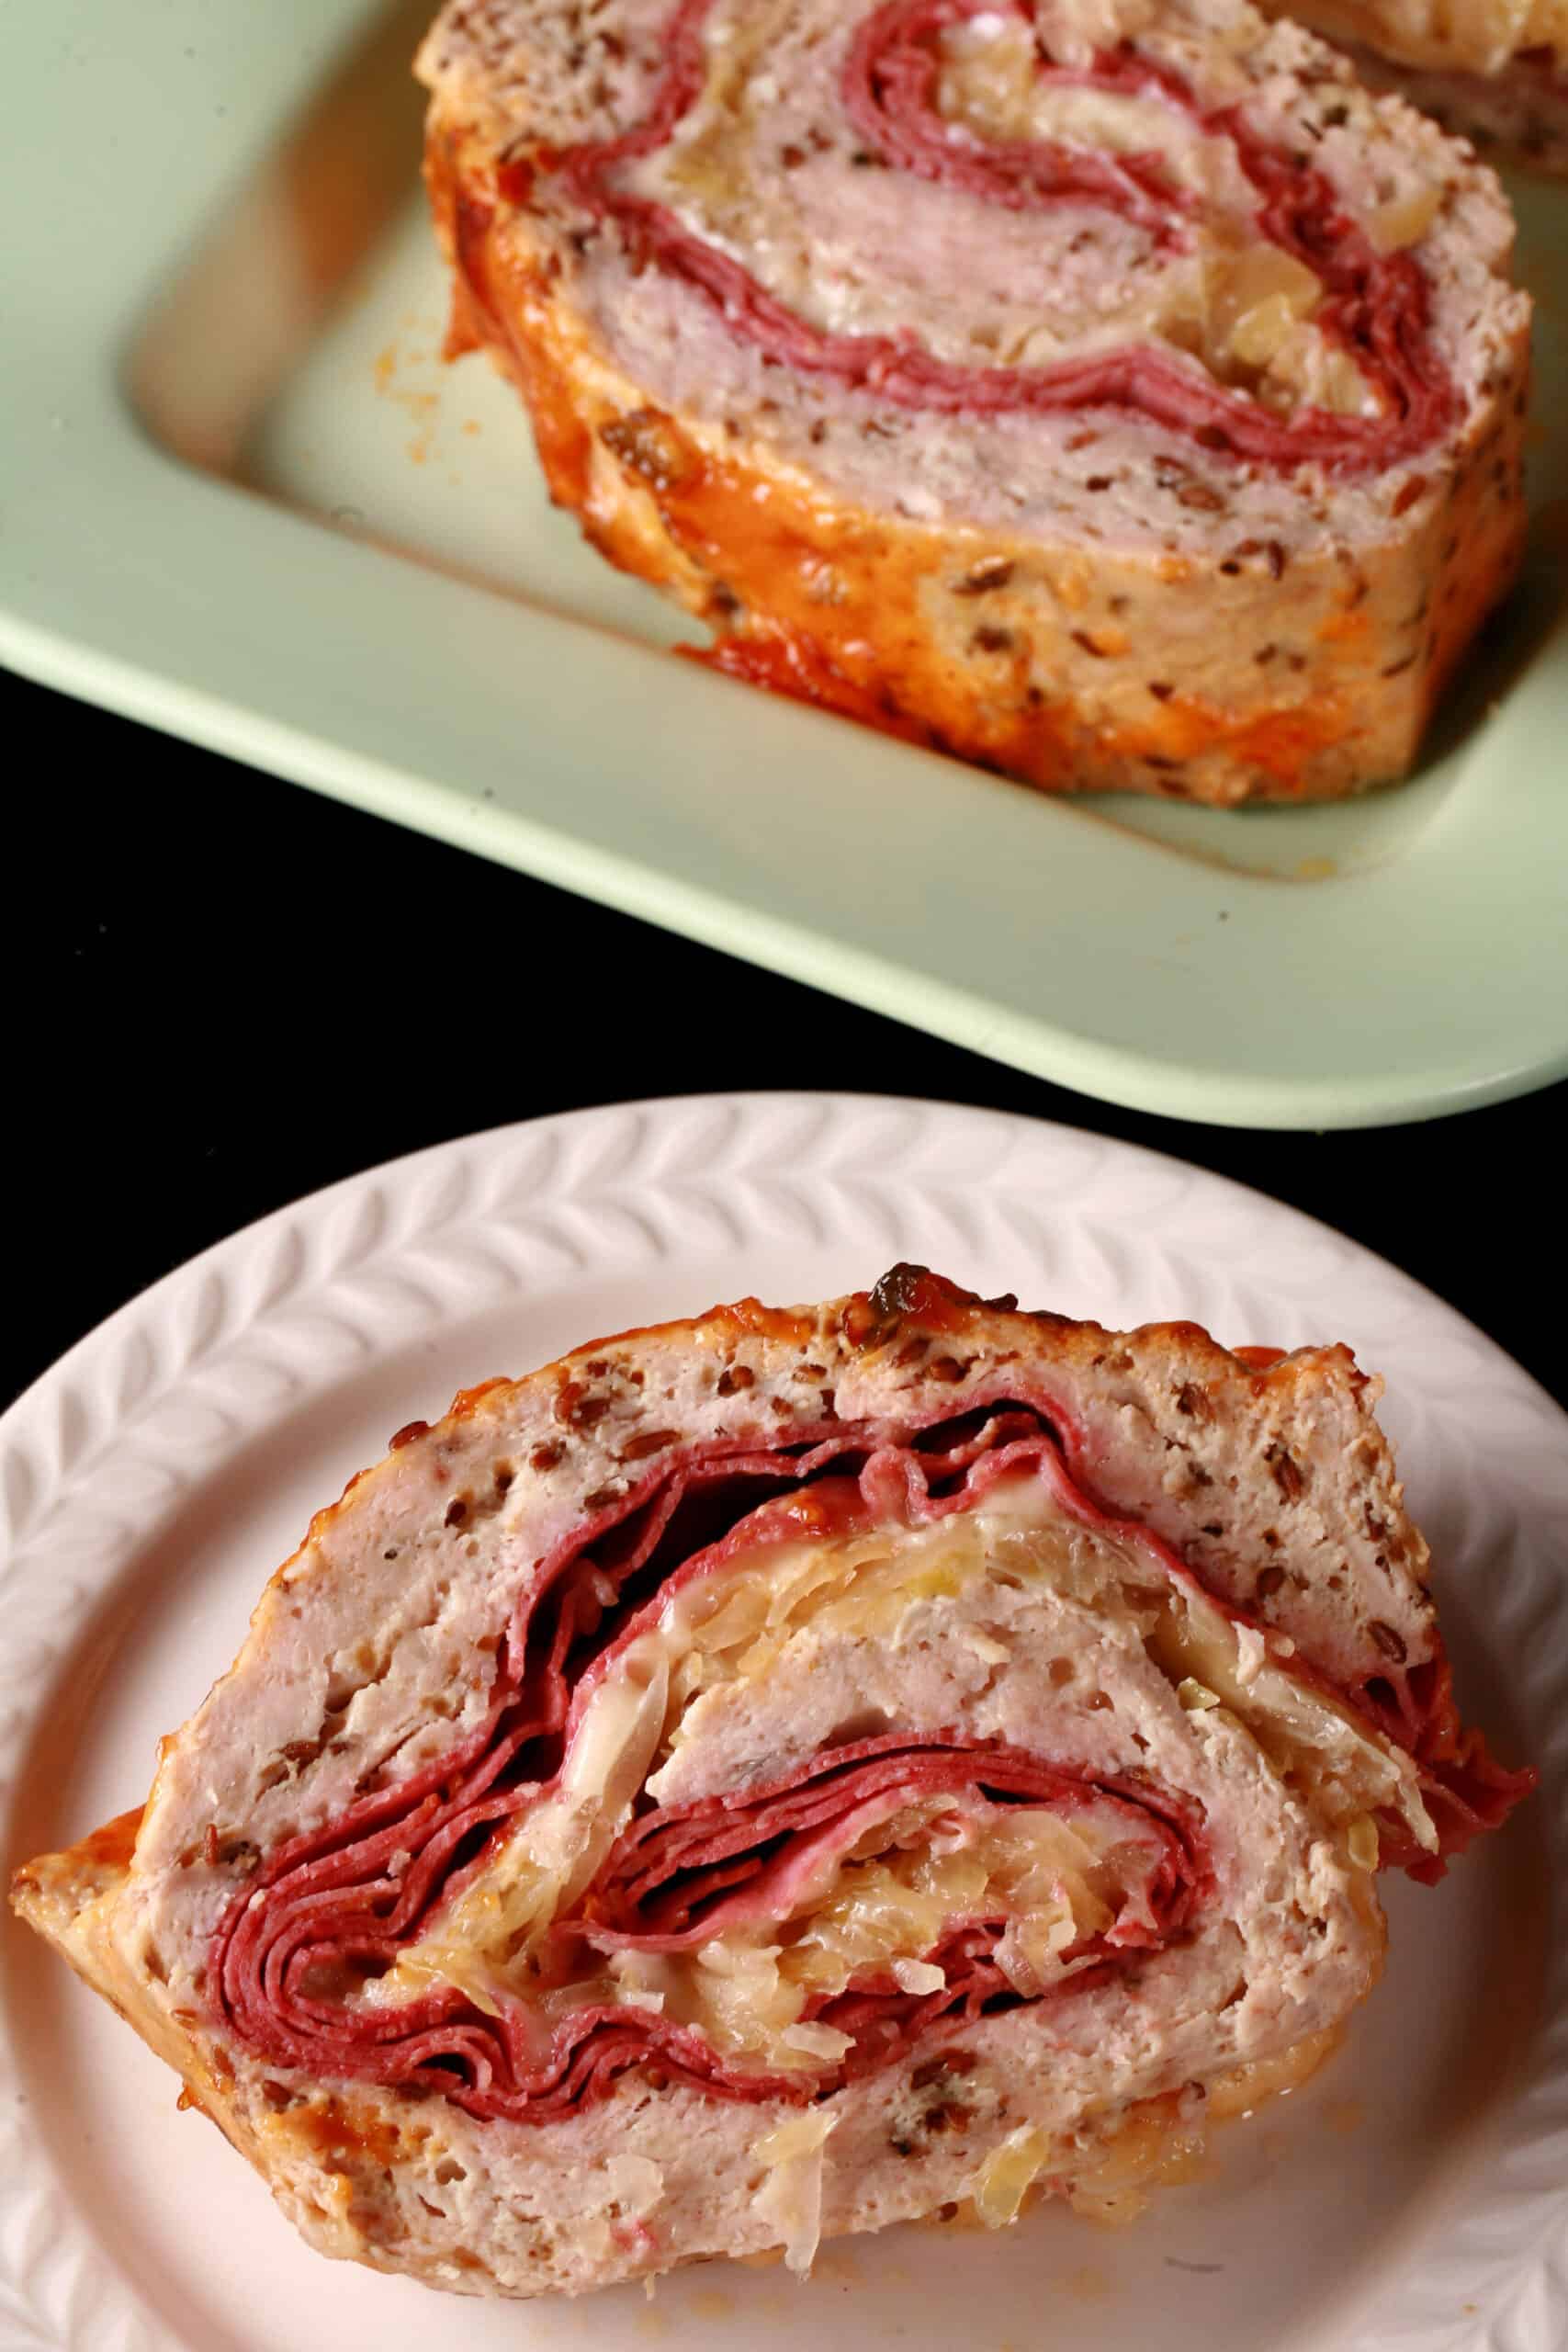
(1496, 71)
(1113, 393)
(783, 1773)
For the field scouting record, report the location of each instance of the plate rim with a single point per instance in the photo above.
(1514, 2237)
(404, 1164)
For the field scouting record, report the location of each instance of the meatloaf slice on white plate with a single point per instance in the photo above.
(785, 1773)
(1495, 70)
(1113, 393)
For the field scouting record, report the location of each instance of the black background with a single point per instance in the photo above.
(224, 992)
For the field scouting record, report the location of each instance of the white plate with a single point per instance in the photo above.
(1414, 2196)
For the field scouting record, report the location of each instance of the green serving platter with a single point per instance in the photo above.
(242, 498)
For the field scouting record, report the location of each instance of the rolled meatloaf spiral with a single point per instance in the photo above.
(1494, 69)
(780, 1774)
(1108, 391)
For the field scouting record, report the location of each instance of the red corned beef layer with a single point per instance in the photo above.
(329, 1910)
(679, 1877)
(1375, 305)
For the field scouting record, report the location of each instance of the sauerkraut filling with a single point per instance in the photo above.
(974, 208)
(525, 1924)
(903, 1906)
(1048, 1892)
(600, 1881)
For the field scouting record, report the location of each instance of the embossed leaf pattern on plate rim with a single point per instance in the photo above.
(139, 1413)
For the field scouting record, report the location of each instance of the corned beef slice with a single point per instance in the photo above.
(778, 1716)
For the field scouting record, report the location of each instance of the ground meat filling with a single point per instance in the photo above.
(296, 1959)
(1374, 307)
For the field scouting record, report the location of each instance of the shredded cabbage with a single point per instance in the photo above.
(790, 2198)
(884, 1907)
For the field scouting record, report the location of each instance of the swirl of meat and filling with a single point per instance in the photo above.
(1111, 391)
